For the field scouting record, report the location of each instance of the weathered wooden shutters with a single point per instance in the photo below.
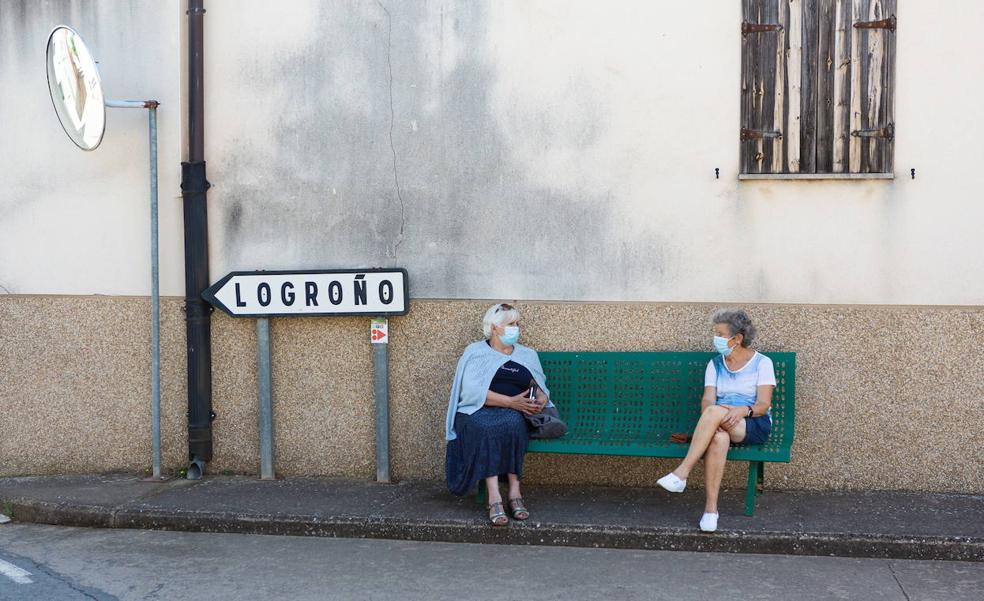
(817, 86)
(856, 86)
(778, 89)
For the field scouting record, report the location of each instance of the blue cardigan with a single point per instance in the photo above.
(474, 374)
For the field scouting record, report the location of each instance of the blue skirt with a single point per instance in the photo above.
(491, 442)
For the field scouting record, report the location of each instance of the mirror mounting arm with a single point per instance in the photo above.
(132, 104)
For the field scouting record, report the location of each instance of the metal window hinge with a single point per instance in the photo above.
(887, 132)
(758, 134)
(888, 24)
(747, 28)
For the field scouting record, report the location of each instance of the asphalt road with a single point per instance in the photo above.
(53, 563)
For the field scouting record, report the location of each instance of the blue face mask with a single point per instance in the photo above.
(721, 345)
(510, 336)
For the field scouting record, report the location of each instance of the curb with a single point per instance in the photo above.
(537, 533)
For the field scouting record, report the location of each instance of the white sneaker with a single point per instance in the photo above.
(709, 522)
(672, 483)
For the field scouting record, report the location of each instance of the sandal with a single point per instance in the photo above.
(496, 515)
(519, 510)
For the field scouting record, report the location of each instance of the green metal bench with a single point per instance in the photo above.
(630, 403)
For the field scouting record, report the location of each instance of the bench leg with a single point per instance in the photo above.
(755, 474)
(761, 477)
(482, 496)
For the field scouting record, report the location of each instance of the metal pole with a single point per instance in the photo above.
(381, 392)
(155, 303)
(194, 187)
(131, 104)
(155, 288)
(266, 401)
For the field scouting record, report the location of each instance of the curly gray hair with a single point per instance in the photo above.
(738, 322)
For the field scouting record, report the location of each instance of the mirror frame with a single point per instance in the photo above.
(77, 137)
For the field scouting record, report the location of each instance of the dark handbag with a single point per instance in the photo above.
(546, 423)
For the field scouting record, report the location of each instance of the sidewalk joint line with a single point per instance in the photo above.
(898, 582)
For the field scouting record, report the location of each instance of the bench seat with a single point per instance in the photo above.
(628, 404)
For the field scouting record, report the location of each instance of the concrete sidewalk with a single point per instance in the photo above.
(878, 524)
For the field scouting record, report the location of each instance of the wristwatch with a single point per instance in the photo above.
(749, 412)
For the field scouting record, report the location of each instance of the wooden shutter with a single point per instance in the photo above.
(778, 86)
(856, 86)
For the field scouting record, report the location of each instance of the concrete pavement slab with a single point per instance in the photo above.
(144, 564)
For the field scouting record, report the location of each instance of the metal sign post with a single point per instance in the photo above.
(375, 293)
(379, 336)
(263, 379)
(155, 286)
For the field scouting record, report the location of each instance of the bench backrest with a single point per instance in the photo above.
(632, 395)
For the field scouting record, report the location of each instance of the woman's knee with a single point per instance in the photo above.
(714, 412)
(721, 440)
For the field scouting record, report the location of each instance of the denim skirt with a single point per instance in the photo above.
(491, 442)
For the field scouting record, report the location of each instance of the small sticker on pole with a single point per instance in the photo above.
(379, 330)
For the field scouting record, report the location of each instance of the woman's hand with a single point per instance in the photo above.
(522, 403)
(734, 417)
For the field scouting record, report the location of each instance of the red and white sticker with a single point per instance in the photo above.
(379, 331)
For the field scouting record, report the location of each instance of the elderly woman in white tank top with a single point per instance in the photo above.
(735, 408)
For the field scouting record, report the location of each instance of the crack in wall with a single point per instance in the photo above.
(460, 162)
(396, 174)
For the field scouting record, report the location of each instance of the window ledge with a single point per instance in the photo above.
(841, 176)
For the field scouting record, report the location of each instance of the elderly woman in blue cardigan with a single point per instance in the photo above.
(485, 429)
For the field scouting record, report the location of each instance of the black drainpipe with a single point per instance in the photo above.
(194, 187)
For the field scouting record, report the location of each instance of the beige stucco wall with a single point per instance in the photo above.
(75, 222)
(530, 150)
(887, 397)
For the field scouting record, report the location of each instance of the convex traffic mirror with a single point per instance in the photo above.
(75, 88)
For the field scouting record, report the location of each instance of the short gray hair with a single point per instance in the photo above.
(738, 322)
(498, 314)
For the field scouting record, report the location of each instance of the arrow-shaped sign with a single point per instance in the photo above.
(312, 293)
